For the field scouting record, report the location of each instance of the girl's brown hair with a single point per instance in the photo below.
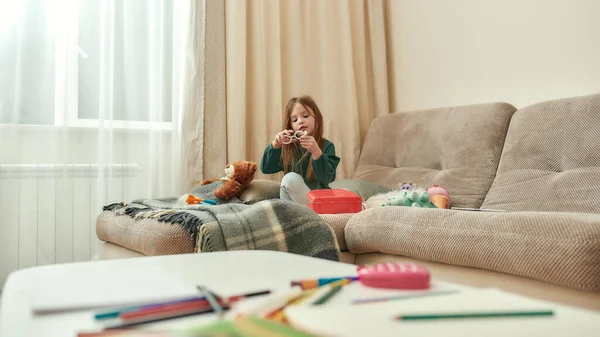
(292, 150)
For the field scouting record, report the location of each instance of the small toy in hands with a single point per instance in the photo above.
(394, 275)
(439, 196)
(296, 135)
(194, 200)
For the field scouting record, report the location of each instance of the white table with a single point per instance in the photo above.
(225, 273)
(229, 273)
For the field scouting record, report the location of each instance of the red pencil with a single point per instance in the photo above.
(156, 317)
(175, 310)
(191, 305)
(198, 304)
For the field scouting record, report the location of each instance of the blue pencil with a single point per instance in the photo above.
(116, 312)
(313, 283)
(212, 300)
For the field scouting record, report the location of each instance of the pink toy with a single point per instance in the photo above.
(333, 201)
(439, 196)
(394, 275)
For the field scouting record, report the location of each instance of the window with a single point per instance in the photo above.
(75, 62)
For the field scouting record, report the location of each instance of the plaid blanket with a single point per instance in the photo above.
(266, 225)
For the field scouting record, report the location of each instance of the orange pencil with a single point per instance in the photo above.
(314, 283)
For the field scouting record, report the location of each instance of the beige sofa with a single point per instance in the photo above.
(540, 164)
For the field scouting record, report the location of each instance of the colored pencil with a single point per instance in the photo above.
(279, 315)
(401, 297)
(323, 291)
(328, 295)
(211, 299)
(313, 283)
(122, 324)
(114, 313)
(279, 305)
(268, 305)
(488, 314)
(236, 298)
(199, 304)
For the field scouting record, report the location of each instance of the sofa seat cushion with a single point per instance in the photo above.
(151, 237)
(338, 223)
(551, 159)
(559, 248)
(147, 236)
(483, 278)
(458, 148)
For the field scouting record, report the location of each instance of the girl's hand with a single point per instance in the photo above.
(311, 145)
(277, 142)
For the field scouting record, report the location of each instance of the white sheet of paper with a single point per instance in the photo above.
(340, 319)
(102, 285)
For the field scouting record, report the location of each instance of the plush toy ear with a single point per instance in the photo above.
(244, 171)
(229, 189)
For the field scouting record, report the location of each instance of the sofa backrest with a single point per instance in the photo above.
(551, 158)
(458, 148)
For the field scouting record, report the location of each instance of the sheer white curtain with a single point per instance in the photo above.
(91, 99)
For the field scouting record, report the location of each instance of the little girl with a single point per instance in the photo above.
(309, 161)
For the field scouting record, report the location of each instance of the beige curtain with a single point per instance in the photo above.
(334, 51)
(192, 125)
(204, 122)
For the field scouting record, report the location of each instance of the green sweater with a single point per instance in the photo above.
(324, 167)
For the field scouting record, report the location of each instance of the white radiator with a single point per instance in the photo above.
(48, 212)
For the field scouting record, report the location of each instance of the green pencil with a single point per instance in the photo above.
(328, 295)
(476, 315)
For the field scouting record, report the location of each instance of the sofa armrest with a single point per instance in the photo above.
(559, 248)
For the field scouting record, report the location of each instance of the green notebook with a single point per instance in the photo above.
(241, 327)
(247, 327)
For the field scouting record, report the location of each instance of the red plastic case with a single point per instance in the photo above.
(334, 201)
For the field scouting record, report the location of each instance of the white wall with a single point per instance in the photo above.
(453, 52)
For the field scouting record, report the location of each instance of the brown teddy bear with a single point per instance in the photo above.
(237, 176)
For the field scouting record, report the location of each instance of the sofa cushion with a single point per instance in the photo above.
(458, 148)
(147, 236)
(338, 223)
(482, 278)
(551, 159)
(559, 248)
(151, 237)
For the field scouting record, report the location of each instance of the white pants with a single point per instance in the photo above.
(294, 188)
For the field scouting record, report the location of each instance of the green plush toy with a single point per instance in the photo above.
(411, 198)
